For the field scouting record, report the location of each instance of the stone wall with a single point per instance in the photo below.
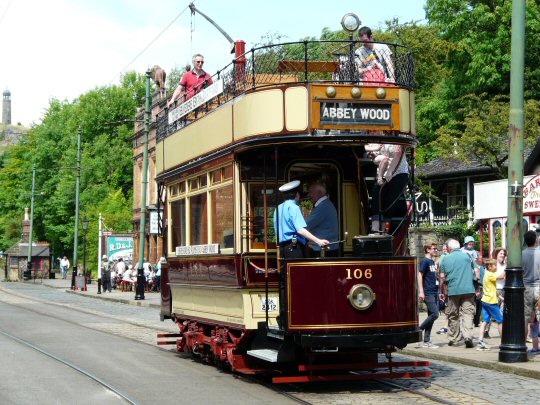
(419, 237)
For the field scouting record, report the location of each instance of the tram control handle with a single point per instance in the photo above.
(327, 247)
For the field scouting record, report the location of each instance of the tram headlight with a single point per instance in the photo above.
(350, 22)
(361, 297)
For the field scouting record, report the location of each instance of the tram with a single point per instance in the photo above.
(294, 111)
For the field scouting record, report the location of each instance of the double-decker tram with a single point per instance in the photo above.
(297, 111)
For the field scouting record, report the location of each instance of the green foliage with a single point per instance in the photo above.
(483, 133)
(105, 116)
(458, 229)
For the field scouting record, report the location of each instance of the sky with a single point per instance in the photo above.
(60, 49)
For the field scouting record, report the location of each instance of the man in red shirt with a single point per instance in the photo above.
(192, 82)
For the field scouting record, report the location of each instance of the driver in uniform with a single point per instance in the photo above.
(292, 232)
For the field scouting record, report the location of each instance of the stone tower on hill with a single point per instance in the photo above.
(6, 107)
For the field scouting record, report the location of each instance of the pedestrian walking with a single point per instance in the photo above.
(428, 290)
(64, 267)
(490, 304)
(106, 274)
(531, 280)
(457, 283)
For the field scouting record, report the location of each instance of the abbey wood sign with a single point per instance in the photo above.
(355, 114)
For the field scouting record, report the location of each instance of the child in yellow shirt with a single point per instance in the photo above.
(490, 307)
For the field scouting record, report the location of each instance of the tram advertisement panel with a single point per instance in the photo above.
(120, 246)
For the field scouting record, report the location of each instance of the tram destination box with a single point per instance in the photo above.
(372, 245)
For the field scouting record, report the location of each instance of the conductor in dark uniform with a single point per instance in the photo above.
(323, 219)
(290, 225)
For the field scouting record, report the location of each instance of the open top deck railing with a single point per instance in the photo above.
(301, 62)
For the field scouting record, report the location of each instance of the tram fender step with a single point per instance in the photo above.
(269, 355)
(270, 349)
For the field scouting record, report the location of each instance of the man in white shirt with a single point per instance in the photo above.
(64, 266)
(381, 54)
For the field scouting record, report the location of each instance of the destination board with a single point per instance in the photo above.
(355, 114)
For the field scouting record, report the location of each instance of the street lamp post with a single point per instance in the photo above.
(28, 273)
(5, 256)
(85, 229)
(76, 230)
(513, 348)
(141, 281)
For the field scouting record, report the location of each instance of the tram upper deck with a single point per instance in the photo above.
(310, 91)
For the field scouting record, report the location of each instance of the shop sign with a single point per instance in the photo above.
(531, 195)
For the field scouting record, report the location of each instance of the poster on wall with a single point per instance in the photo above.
(120, 246)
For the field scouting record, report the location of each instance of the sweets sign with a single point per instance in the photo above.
(531, 195)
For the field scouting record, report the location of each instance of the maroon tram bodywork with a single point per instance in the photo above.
(321, 335)
(324, 307)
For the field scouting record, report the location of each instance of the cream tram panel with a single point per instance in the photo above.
(412, 109)
(296, 108)
(351, 212)
(258, 113)
(404, 111)
(236, 306)
(201, 136)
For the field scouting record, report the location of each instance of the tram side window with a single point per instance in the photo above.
(178, 226)
(222, 211)
(198, 207)
(256, 217)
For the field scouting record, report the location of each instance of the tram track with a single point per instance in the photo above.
(73, 366)
(374, 392)
(301, 393)
(124, 327)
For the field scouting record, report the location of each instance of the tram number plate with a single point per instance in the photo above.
(273, 303)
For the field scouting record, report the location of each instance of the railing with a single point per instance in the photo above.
(303, 62)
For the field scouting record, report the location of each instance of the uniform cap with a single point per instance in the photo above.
(104, 257)
(469, 239)
(291, 185)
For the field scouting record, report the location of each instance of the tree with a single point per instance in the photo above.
(105, 116)
(483, 134)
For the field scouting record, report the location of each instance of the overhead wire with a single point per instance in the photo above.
(5, 11)
(151, 43)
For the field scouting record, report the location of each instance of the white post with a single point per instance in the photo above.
(99, 248)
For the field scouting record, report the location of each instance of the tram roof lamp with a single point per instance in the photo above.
(85, 223)
(350, 22)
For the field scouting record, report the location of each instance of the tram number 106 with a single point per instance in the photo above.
(358, 274)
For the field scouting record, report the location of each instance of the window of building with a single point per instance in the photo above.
(456, 198)
(223, 216)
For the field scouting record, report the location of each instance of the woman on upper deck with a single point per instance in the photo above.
(385, 198)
